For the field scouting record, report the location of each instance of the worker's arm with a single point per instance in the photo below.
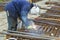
(24, 18)
(24, 12)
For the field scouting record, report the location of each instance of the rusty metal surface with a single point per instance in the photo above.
(50, 21)
(25, 35)
(55, 3)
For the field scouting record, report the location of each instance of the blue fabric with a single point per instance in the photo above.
(18, 7)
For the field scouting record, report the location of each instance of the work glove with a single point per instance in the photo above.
(32, 26)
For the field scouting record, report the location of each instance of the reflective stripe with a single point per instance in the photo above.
(7, 13)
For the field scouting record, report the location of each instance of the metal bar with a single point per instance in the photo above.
(29, 36)
(24, 33)
(56, 3)
(51, 19)
(48, 18)
(51, 9)
(49, 29)
(50, 23)
(45, 28)
(49, 14)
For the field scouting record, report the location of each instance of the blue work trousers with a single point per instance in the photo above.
(12, 21)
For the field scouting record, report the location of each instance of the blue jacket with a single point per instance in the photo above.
(18, 7)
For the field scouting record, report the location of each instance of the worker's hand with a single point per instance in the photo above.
(32, 27)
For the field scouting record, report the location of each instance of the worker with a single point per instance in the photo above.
(15, 9)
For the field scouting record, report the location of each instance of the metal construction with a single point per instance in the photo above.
(49, 22)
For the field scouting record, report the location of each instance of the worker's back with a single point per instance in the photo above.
(19, 3)
(16, 5)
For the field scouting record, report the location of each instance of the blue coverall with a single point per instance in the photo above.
(17, 8)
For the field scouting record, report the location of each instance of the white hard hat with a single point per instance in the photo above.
(35, 10)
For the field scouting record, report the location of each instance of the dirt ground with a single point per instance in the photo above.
(3, 24)
(3, 21)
